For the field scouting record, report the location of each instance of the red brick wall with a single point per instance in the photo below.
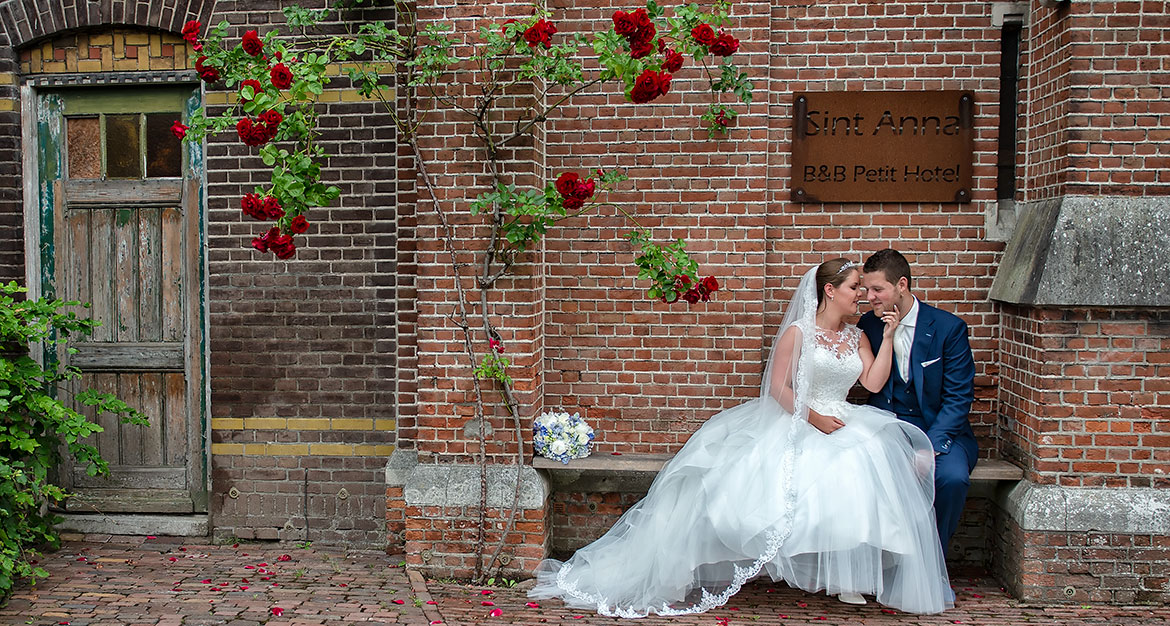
(1085, 395)
(647, 375)
(1045, 59)
(1083, 567)
(1097, 102)
(304, 352)
(11, 180)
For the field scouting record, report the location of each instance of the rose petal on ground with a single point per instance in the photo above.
(485, 592)
(495, 613)
(488, 603)
(277, 611)
(206, 581)
(284, 557)
(398, 601)
(151, 537)
(431, 602)
(172, 559)
(802, 605)
(532, 605)
(889, 611)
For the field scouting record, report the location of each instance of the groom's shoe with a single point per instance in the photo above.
(851, 598)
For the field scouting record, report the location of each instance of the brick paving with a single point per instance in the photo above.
(138, 581)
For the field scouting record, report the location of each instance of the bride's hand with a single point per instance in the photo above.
(891, 320)
(824, 423)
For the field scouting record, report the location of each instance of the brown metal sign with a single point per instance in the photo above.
(882, 146)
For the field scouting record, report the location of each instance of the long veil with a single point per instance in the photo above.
(691, 543)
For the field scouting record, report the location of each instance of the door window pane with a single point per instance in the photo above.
(164, 154)
(84, 139)
(123, 148)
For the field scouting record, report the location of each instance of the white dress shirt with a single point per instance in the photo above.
(904, 339)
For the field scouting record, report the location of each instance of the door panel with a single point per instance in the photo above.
(129, 243)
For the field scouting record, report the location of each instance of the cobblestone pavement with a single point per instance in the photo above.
(133, 581)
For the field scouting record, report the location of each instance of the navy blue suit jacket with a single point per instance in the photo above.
(943, 371)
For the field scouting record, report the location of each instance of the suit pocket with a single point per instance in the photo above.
(931, 362)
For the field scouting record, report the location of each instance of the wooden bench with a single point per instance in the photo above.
(608, 473)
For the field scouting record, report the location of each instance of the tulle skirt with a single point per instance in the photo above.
(754, 491)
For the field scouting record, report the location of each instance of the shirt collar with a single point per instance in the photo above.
(911, 319)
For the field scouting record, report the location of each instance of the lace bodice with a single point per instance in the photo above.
(833, 367)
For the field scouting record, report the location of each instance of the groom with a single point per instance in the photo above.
(932, 382)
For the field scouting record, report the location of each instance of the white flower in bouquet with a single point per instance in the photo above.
(560, 436)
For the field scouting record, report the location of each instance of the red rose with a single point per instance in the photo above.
(623, 23)
(271, 207)
(649, 86)
(179, 129)
(540, 33)
(244, 129)
(253, 207)
(721, 119)
(585, 189)
(252, 44)
(639, 49)
(672, 61)
(191, 31)
(257, 88)
(711, 284)
(207, 73)
(725, 45)
(703, 34)
(281, 76)
(260, 243)
(251, 134)
(299, 225)
(567, 183)
(692, 296)
(271, 118)
(572, 203)
(282, 245)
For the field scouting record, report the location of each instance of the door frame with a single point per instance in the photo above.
(38, 272)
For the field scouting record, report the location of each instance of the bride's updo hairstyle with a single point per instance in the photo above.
(833, 272)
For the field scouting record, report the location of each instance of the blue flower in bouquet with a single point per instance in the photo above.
(560, 436)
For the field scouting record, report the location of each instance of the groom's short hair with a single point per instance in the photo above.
(889, 262)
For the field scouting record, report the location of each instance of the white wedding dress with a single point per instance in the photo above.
(759, 490)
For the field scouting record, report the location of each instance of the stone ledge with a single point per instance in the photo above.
(1059, 243)
(634, 472)
(458, 484)
(167, 525)
(1128, 510)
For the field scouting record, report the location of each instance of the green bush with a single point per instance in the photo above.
(36, 427)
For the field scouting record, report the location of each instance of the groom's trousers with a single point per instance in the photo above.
(952, 478)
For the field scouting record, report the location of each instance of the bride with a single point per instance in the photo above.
(799, 483)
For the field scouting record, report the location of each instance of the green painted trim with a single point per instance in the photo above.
(195, 169)
(50, 132)
(89, 101)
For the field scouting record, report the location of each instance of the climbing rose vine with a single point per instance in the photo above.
(277, 80)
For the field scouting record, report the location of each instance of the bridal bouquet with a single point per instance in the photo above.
(560, 436)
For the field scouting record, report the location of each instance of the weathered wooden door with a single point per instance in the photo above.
(121, 229)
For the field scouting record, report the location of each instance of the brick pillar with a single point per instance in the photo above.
(1086, 318)
(438, 480)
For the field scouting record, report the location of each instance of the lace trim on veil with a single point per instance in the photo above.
(775, 537)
